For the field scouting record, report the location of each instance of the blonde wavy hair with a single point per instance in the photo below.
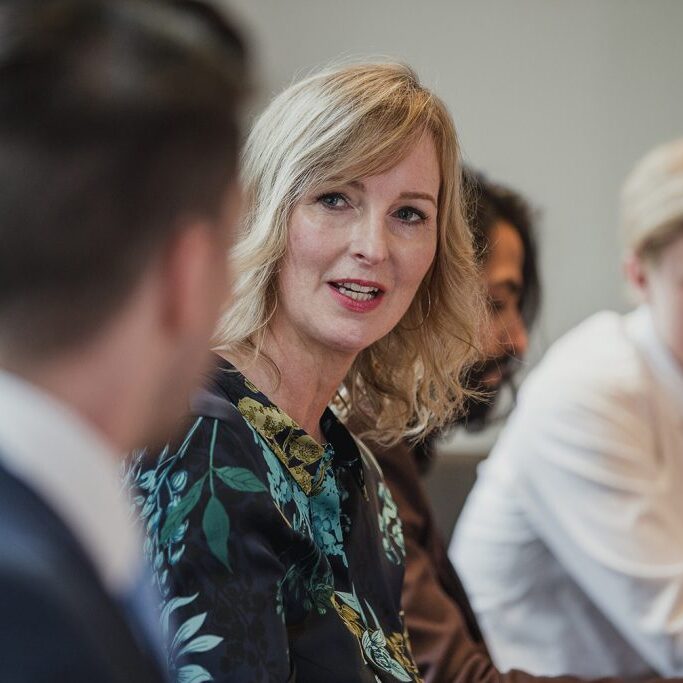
(344, 124)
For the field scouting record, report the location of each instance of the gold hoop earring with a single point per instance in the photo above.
(429, 307)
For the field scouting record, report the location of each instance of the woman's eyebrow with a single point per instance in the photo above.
(359, 185)
(418, 195)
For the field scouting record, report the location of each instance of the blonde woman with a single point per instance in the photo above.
(274, 538)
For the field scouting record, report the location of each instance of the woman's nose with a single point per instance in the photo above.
(369, 241)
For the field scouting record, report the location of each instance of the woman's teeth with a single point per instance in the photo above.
(358, 292)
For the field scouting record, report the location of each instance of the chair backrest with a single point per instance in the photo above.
(448, 483)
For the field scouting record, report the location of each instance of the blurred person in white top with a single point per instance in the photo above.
(571, 544)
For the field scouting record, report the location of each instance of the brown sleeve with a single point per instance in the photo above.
(444, 636)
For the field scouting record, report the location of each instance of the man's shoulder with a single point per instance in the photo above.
(50, 634)
(58, 622)
(39, 638)
(39, 556)
(30, 532)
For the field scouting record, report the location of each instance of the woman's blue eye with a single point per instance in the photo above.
(332, 200)
(409, 215)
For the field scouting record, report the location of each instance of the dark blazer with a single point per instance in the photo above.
(57, 622)
(446, 641)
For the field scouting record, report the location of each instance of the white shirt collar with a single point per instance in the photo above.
(52, 449)
(666, 369)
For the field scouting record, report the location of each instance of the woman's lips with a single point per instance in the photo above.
(355, 301)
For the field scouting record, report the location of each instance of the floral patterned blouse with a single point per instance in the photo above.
(279, 559)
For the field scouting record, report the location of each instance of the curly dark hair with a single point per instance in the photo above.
(488, 203)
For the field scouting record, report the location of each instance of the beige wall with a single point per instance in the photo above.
(557, 98)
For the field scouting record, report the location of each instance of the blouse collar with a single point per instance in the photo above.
(299, 452)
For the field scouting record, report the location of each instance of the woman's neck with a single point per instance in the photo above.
(306, 383)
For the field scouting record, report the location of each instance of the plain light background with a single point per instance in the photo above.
(557, 98)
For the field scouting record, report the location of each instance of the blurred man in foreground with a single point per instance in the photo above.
(118, 143)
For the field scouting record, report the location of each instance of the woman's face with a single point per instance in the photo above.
(356, 255)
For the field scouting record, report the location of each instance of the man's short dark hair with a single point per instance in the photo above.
(118, 121)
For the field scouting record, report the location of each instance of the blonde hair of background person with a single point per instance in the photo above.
(651, 221)
(652, 201)
(341, 125)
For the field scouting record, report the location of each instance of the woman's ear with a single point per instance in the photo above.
(636, 271)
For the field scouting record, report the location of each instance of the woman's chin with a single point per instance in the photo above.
(351, 342)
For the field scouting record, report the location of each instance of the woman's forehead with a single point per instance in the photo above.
(418, 162)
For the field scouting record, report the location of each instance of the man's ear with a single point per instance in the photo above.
(185, 273)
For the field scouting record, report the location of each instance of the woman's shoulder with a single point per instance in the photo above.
(201, 489)
(214, 441)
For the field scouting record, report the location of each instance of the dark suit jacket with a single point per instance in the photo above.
(446, 641)
(57, 622)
